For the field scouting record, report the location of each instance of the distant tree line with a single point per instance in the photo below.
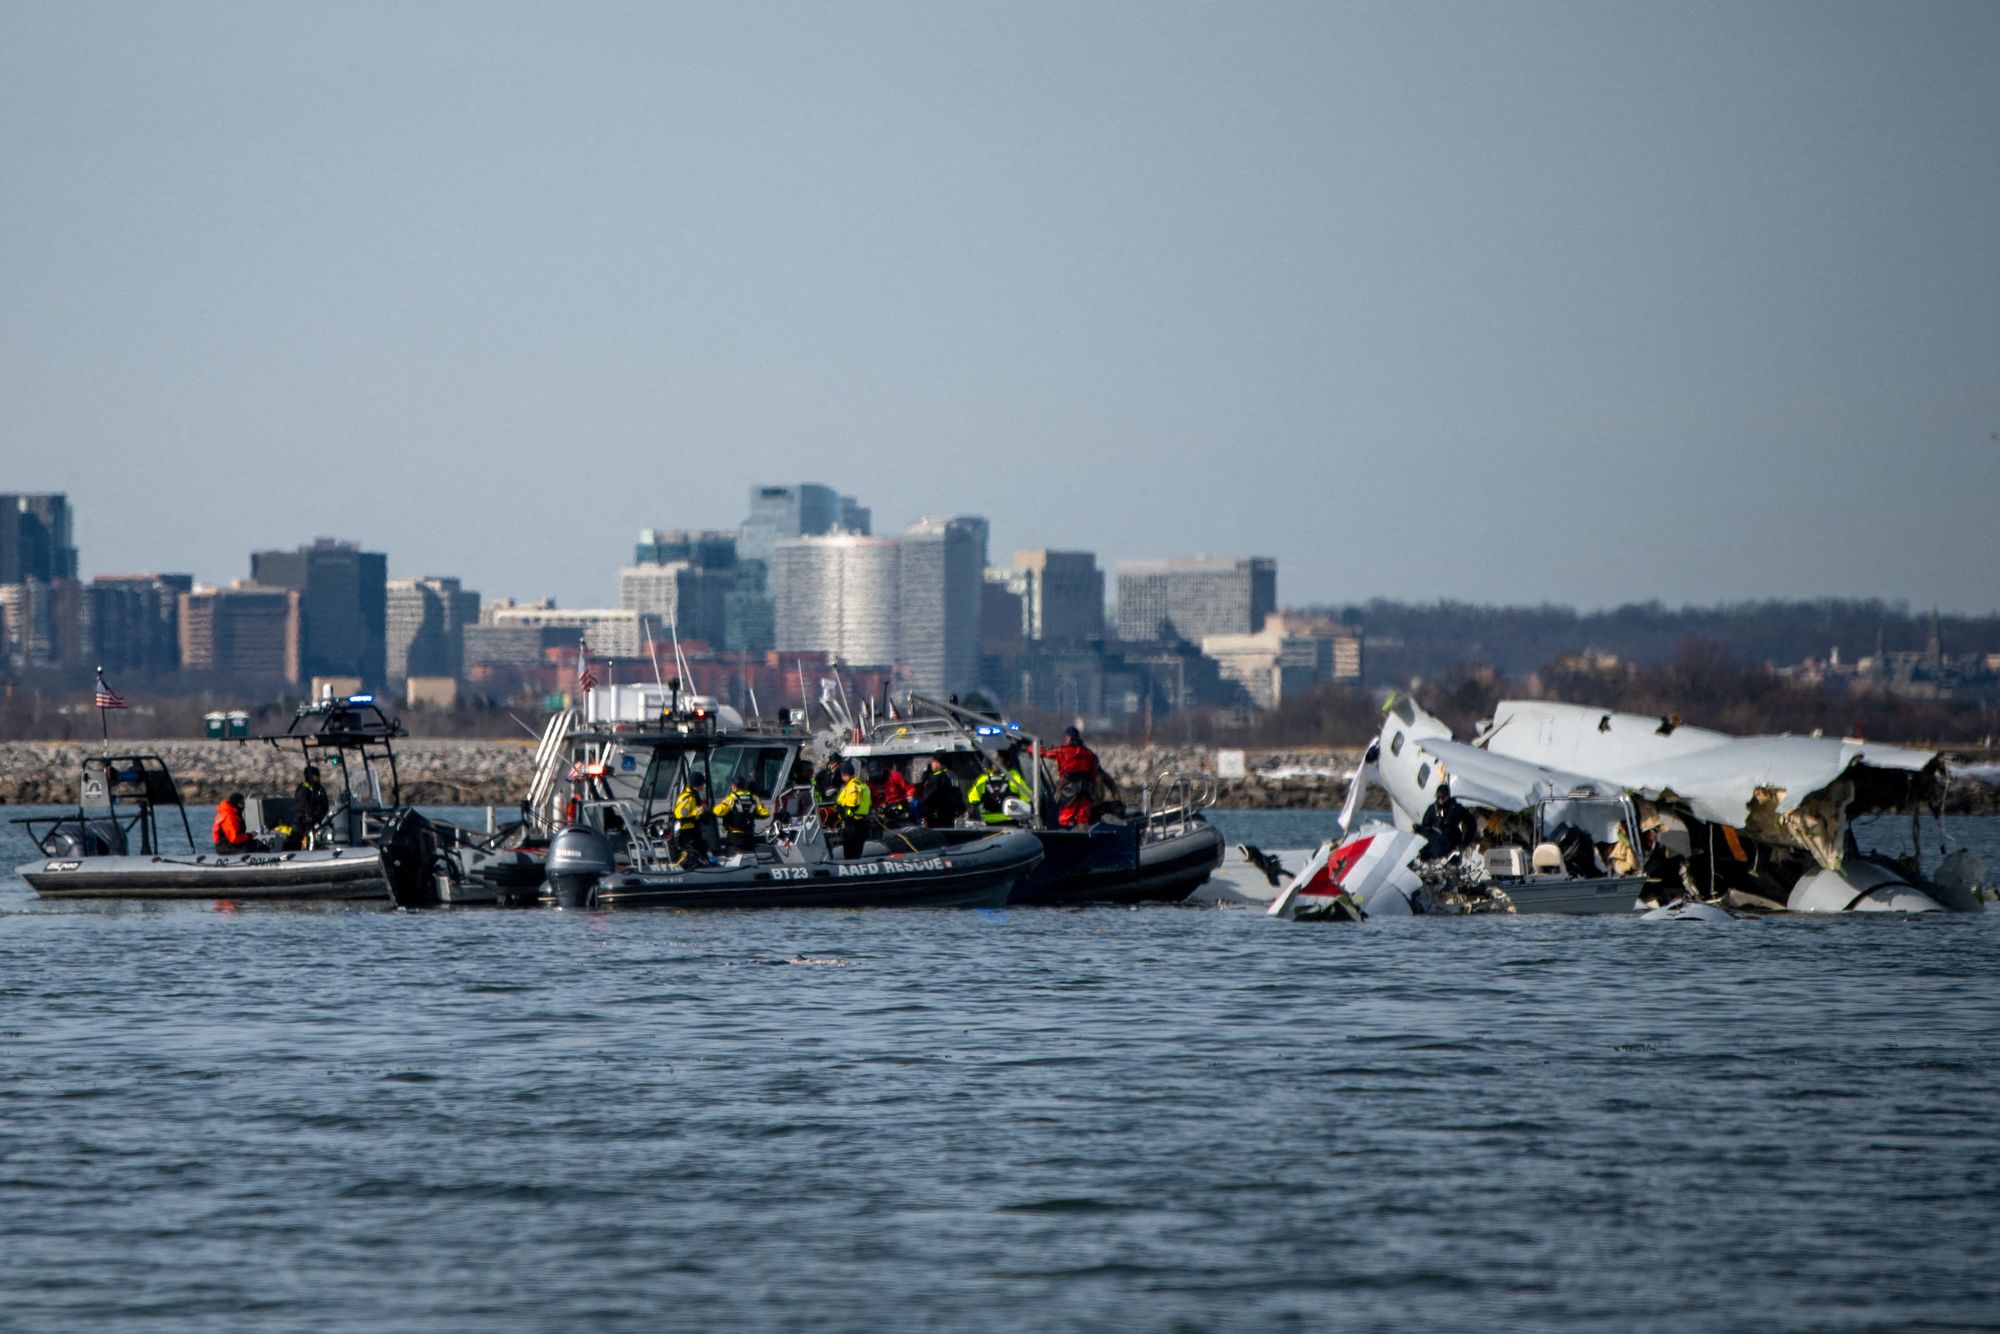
(1407, 640)
(1702, 682)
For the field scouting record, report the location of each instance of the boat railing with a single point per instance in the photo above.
(795, 818)
(551, 758)
(1173, 800)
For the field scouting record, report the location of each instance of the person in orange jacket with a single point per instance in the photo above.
(229, 833)
(1076, 778)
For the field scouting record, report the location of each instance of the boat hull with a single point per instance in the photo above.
(974, 875)
(1575, 897)
(1112, 864)
(333, 873)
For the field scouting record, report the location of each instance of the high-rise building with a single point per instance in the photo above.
(838, 594)
(426, 620)
(42, 624)
(35, 540)
(134, 621)
(343, 606)
(707, 549)
(942, 582)
(778, 514)
(1001, 617)
(750, 613)
(1062, 595)
(609, 632)
(1192, 599)
(685, 580)
(804, 509)
(247, 632)
(680, 600)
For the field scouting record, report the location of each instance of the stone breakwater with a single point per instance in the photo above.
(496, 773)
(443, 773)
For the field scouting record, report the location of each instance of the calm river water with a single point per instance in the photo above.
(1155, 1118)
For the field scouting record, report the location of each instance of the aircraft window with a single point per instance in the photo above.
(1424, 776)
(1403, 708)
(1396, 746)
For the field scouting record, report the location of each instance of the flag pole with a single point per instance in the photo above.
(103, 722)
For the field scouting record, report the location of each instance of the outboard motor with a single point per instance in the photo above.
(409, 861)
(578, 858)
(93, 838)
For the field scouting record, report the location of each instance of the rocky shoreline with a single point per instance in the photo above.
(496, 773)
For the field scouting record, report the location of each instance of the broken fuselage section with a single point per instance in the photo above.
(1747, 823)
(1762, 822)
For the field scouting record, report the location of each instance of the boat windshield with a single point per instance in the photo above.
(763, 767)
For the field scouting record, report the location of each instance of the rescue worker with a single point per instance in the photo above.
(1077, 774)
(309, 808)
(690, 848)
(229, 833)
(991, 789)
(1621, 857)
(893, 797)
(853, 802)
(939, 802)
(739, 813)
(828, 781)
(1666, 872)
(1447, 827)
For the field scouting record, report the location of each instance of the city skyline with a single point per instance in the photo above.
(1379, 292)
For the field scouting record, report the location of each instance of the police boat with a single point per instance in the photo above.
(115, 845)
(641, 830)
(1160, 851)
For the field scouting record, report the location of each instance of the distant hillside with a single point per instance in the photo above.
(1406, 640)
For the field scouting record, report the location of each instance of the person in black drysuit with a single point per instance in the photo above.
(939, 801)
(828, 781)
(309, 808)
(1447, 827)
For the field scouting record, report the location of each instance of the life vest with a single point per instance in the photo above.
(228, 826)
(739, 812)
(855, 800)
(991, 791)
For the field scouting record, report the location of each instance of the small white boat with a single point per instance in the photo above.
(112, 847)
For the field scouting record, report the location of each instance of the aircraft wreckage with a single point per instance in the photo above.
(1568, 808)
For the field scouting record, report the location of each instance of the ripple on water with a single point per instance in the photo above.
(1022, 1119)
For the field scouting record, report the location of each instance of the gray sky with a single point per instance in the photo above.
(1501, 301)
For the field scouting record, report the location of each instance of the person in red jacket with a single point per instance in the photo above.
(892, 803)
(1076, 779)
(229, 833)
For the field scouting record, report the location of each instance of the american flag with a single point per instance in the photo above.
(107, 698)
(584, 680)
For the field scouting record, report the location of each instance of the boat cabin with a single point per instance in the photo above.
(352, 744)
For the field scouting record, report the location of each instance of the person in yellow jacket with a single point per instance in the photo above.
(739, 813)
(690, 848)
(854, 803)
(991, 789)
